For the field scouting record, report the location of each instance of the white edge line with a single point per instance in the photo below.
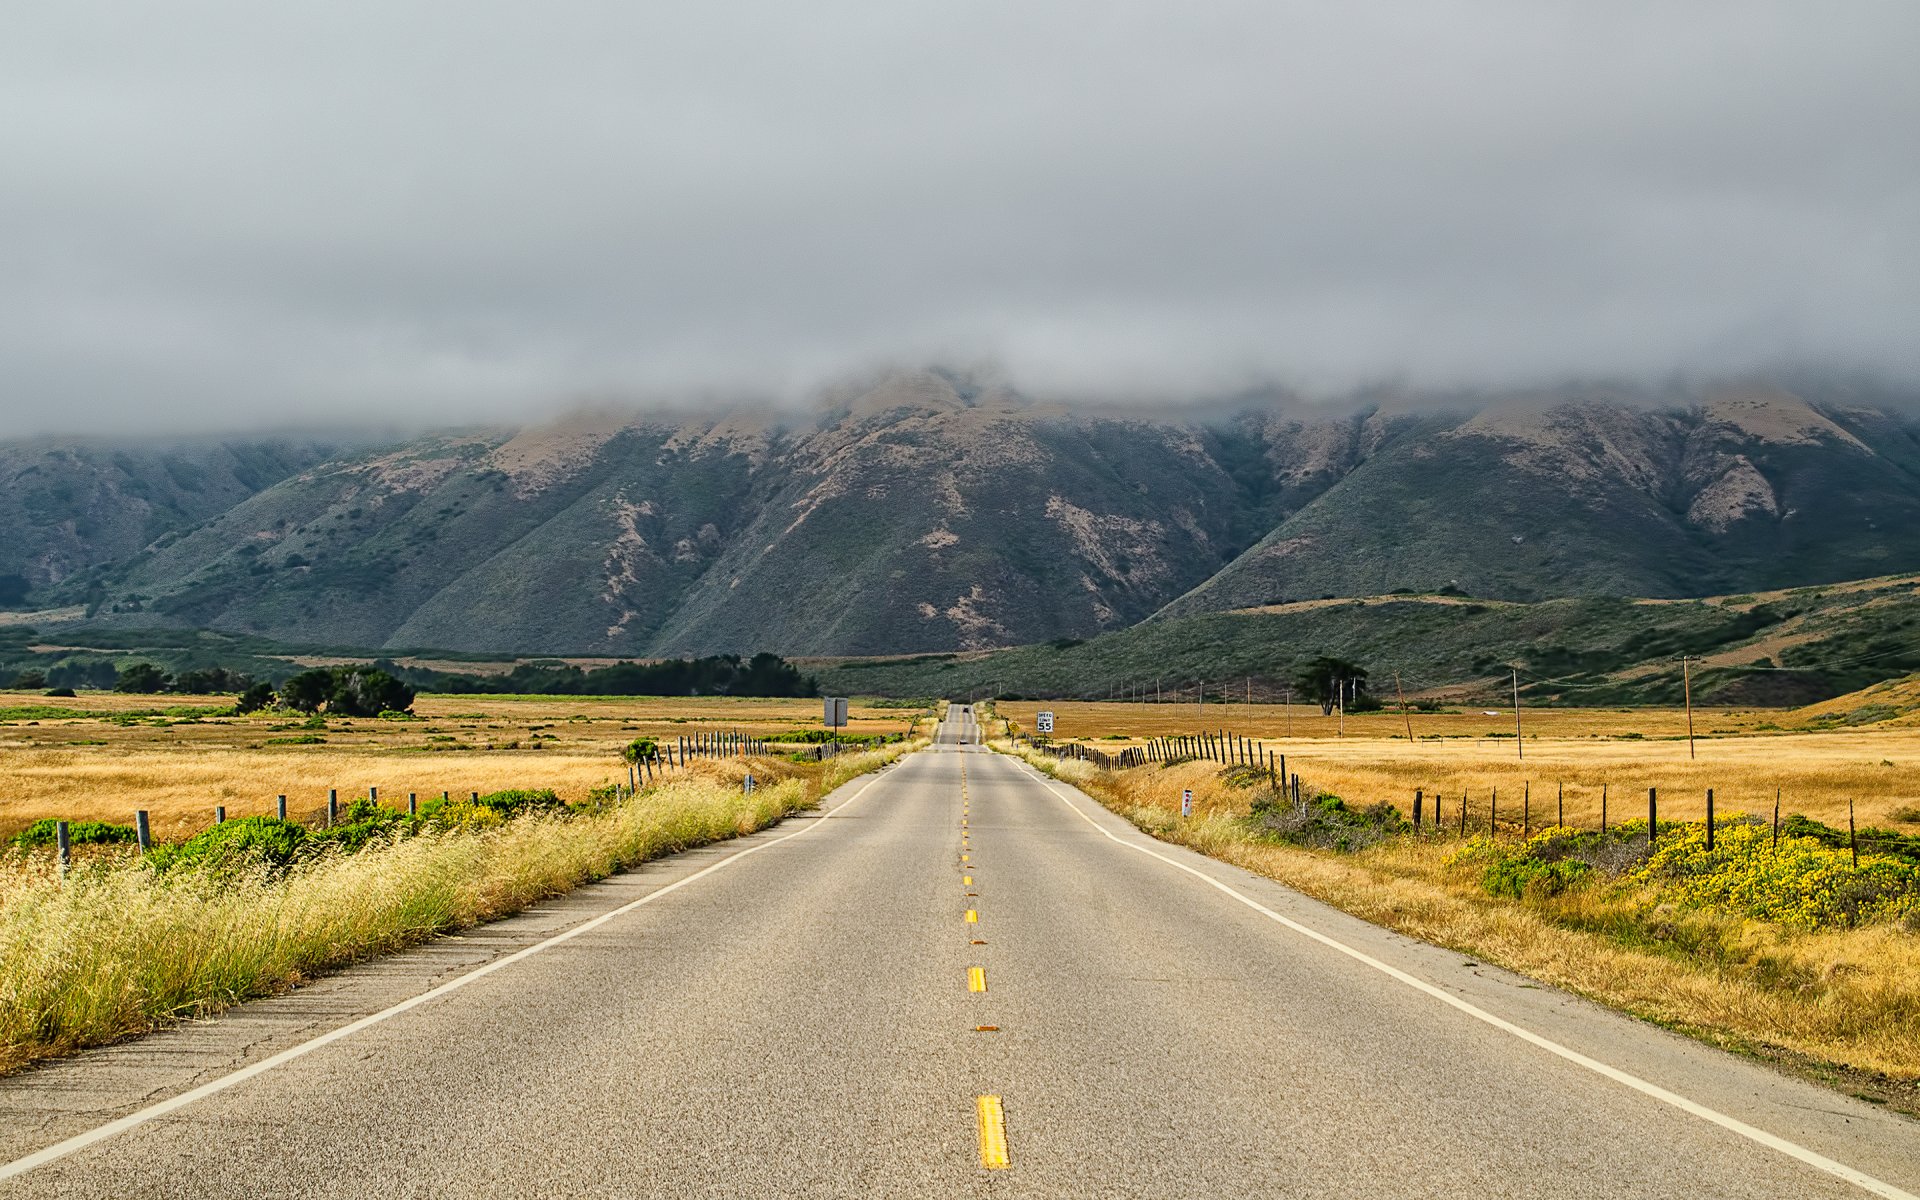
(1817, 1161)
(133, 1120)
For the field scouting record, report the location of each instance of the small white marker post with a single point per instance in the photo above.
(1186, 802)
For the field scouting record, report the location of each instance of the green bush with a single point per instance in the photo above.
(248, 842)
(79, 833)
(492, 808)
(640, 749)
(363, 821)
(516, 801)
(1521, 877)
(1326, 822)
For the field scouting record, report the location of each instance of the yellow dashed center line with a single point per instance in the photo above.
(993, 1132)
(973, 916)
(966, 881)
(976, 979)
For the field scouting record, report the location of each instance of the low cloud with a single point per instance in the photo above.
(225, 215)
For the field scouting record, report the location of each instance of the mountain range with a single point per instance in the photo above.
(926, 511)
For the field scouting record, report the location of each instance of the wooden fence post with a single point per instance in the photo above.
(1603, 808)
(333, 807)
(1653, 815)
(1853, 842)
(413, 804)
(280, 808)
(142, 830)
(1561, 819)
(1493, 815)
(1776, 820)
(1463, 813)
(1526, 810)
(1709, 820)
(63, 841)
(219, 814)
(1416, 808)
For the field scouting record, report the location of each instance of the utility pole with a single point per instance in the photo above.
(1686, 686)
(1403, 707)
(1340, 701)
(1518, 740)
(1289, 712)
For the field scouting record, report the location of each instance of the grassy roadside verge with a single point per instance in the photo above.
(117, 949)
(1837, 1005)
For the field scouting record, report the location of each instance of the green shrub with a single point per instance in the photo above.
(363, 821)
(639, 750)
(491, 809)
(516, 801)
(79, 833)
(460, 814)
(1801, 882)
(1519, 876)
(1326, 822)
(246, 843)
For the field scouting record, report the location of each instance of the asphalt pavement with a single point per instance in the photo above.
(964, 979)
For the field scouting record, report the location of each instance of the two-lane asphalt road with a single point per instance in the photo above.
(964, 980)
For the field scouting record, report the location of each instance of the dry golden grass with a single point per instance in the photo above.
(92, 768)
(1582, 750)
(113, 949)
(1845, 998)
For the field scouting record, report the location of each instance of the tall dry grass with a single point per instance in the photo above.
(1577, 753)
(114, 948)
(1845, 998)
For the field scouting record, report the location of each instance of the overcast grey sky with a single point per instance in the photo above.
(232, 213)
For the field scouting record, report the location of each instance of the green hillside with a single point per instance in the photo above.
(924, 512)
(67, 506)
(1779, 648)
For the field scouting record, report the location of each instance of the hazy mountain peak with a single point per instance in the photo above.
(1768, 413)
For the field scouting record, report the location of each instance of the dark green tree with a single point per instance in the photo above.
(142, 679)
(30, 680)
(367, 692)
(1323, 679)
(308, 691)
(255, 698)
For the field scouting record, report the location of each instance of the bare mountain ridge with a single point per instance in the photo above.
(923, 513)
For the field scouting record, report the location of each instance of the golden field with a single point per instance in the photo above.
(179, 768)
(111, 950)
(1744, 755)
(1841, 1005)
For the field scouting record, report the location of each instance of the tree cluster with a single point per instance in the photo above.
(344, 691)
(718, 675)
(146, 679)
